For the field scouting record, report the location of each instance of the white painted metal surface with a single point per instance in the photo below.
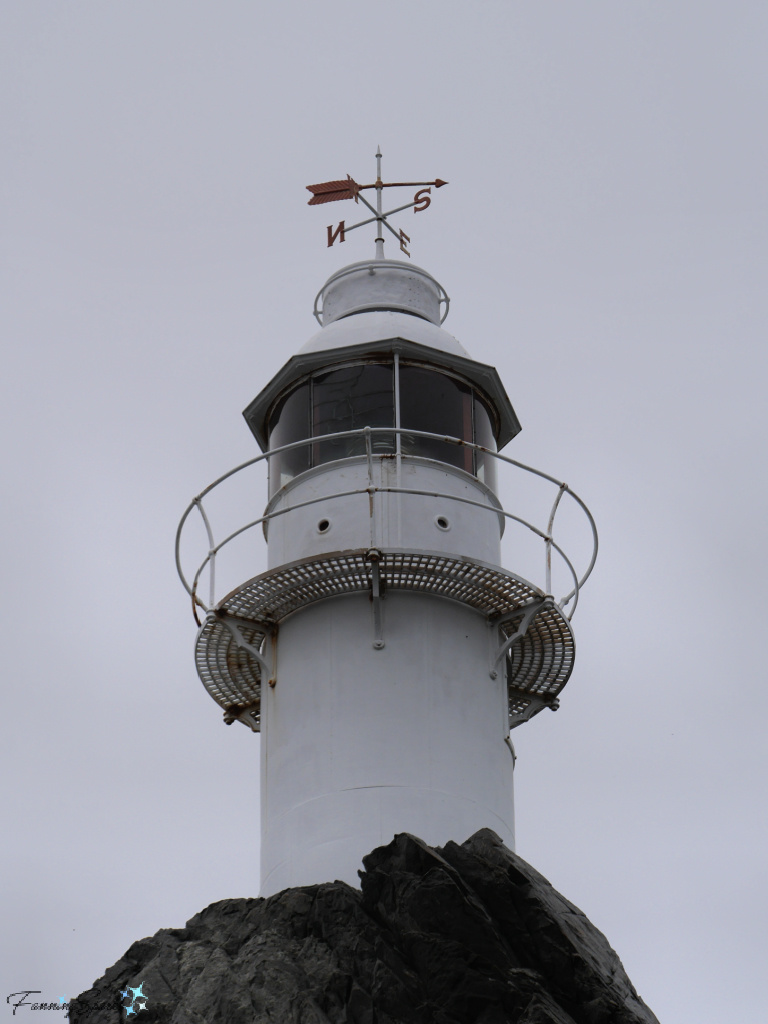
(381, 284)
(415, 522)
(381, 325)
(359, 744)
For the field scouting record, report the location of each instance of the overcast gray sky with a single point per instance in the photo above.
(603, 243)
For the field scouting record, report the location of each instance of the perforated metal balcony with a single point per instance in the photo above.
(535, 641)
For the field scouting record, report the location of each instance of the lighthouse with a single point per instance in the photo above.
(385, 653)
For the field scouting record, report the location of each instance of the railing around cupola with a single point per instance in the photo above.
(368, 434)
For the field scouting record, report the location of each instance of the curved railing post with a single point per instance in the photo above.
(548, 542)
(211, 553)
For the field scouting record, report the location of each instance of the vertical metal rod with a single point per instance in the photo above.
(398, 451)
(273, 642)
(211, 554)
(379, 190)
(378, 638)
(371, 494)
(548, 542)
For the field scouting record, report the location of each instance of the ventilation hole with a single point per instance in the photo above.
(442, 523)
(323, 526)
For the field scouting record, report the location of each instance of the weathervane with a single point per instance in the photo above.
(331, 191)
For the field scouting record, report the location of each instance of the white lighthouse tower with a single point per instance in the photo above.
(385, 653)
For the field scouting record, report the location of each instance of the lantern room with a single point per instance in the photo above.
(382, 379)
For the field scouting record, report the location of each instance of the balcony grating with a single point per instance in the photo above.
(538, 666)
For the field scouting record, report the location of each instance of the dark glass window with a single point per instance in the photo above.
(485, 465)
(354, 397)
(348, 399)
(439, 404)
(289, 422)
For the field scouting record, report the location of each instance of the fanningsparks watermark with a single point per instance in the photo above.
(132, 1000)
(62, 1004)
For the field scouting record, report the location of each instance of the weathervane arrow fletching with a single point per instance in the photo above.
(330, 191)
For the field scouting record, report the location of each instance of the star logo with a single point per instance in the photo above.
(137, 999)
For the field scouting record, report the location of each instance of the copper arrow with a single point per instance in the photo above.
(438, 183)
(331, 191)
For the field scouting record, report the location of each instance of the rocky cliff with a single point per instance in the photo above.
(466, 934)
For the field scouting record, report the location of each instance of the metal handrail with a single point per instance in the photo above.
(366, 432)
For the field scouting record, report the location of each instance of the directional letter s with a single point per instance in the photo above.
(421, 200)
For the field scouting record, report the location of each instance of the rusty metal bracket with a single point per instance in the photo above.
(530, 611)
(244, 715)
(511, 746)
(373, 557)
(233, 624)
(536, 703)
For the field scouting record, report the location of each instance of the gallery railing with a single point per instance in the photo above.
(544, 532)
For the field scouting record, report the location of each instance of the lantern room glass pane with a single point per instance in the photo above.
(353, 397)
(434, 402)
(289, 422)
(349, 399)
(485, 465)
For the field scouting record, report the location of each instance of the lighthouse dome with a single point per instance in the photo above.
(381, 325)
(376, 300)
(377, 310)
(381, 284)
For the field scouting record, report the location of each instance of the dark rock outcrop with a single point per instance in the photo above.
(466, 934)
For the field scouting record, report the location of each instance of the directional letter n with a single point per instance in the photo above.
(338, 233)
